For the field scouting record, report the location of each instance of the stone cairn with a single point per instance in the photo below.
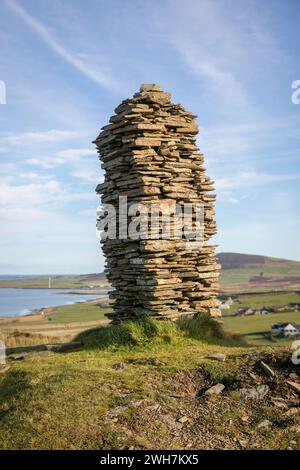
(149, 155)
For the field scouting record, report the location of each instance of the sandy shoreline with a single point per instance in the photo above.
(42, 312)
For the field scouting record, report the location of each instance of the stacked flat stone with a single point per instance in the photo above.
(149, 154)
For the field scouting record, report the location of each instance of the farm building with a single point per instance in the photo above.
(286, 329)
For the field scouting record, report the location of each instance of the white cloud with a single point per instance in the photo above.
(209, 45)
(88, 69)
(73, 155)
(88, 175)
(76, 153)
(89, 213)
(227, 197)
(251, 179)
(38, 137)
(44, 162)
(28, 196)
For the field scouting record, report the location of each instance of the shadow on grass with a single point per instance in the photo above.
(12, 387)
(150, 331)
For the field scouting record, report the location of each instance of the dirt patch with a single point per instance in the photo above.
(182, 416)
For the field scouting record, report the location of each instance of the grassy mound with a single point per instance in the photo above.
(130, 333)
(201, 327)
(149, 331)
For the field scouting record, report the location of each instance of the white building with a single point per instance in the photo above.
(224, 306)
(286, 329)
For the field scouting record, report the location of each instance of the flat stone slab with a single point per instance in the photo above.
(217, 357)
(215, 389)
(254, 393)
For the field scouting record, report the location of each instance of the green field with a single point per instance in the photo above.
(58, 282)
(238, 279)
(259, 301)
(79, 312)
(256, 328)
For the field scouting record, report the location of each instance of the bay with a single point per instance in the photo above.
(23, 301)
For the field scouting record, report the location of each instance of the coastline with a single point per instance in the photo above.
(40, 313)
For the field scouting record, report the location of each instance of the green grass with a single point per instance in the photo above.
(77, 400)
(79, 312)
(148, 332)
(269, 300)
(60, 401)
(258, 301)
(57, 282)
(256, 327)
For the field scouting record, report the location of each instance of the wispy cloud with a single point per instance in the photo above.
(232, 190)
(87, 69)
(88, 175)
(73, 156)
(36, 194)
(75, 153)
(223, 50)
(38, 137)
(207, 45)
(246, 179)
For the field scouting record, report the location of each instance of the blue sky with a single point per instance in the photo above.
(67, 64)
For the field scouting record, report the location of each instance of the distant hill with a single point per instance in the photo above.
(240, 260)
(243, 272)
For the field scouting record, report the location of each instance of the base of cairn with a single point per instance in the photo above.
(150, 156)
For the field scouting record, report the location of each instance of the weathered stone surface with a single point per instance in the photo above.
(4, 369)
(266, 424)
(294, 386)
(267, 369)
(183, 419)
(215, 389)
(217, 357)
(119, 366)
(149, 154)
(254, 393)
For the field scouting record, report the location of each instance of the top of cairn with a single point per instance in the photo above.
(150, 87)
(153, 92)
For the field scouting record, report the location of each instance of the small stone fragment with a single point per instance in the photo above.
(291, 412)
(215, 389)
(254, 393)
(245, 419)
(295, 429)
(119, 366)
(217, 357)
(295, 386)
(183, 419)
(265, 424)
(17, 357)
(253, 376)
(279, 403)
(267, 369)
(153, 361)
